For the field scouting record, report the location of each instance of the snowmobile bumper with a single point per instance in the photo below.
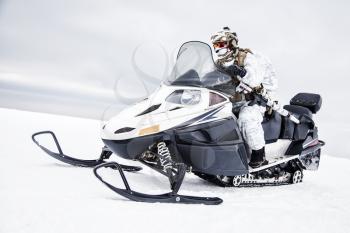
(310, 157)
(105, 154)
(132, 148)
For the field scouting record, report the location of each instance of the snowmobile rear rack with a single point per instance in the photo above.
(105, 154)
(171, 197)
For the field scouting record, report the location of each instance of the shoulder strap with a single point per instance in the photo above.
(242, 54)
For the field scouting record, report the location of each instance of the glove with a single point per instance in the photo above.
(235, 70)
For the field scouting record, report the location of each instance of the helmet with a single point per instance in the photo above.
(225, 43)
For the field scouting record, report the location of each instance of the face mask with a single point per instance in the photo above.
(221, 52)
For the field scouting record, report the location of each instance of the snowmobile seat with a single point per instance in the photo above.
(298, 111)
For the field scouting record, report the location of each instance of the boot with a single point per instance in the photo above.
(258, 158)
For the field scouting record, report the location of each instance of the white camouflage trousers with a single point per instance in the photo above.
(249, 122)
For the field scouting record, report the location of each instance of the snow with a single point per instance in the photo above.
(39, 194)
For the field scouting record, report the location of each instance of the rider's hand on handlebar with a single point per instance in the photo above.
(235, 70)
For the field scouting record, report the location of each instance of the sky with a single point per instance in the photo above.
(92, 58)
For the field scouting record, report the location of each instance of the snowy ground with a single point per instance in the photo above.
(38, 194)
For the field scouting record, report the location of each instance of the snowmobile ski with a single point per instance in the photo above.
(171, 197)
(105, 154)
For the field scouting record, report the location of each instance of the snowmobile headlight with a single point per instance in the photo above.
(149, 130)
(185, 97)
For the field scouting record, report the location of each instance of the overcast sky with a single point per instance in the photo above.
(65, 56)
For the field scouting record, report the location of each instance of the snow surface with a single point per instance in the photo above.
(39, 194)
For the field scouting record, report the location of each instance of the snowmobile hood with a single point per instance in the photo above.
(166, 108)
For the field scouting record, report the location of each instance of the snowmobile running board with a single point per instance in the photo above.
(251, 170)
(105, 154)
(171, 197)
(280, 161)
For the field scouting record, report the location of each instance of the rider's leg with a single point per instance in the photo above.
(249, 121)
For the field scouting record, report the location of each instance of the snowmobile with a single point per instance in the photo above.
(189, 124)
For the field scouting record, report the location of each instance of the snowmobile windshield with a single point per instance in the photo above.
(195, 67)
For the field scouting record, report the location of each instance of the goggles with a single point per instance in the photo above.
(220, 44)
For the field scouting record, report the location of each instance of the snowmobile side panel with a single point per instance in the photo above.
(298, 145)
(293, 131)
(279, 127)
(272, 127)
(295, 148)
(301, 132)
(171, 197)
(287, 128)
(213, 148)
(216, 133)
(216, 160)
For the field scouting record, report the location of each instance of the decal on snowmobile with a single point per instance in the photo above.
(205, 117)
(208, 116)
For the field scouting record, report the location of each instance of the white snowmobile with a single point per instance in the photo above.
(189, 124)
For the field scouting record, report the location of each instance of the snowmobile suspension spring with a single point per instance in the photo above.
(165, 156)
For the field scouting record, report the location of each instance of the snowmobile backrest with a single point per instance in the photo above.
(307, 100)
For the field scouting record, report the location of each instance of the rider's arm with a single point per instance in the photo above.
(254, 71)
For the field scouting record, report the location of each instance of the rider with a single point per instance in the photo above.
(256, 71)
